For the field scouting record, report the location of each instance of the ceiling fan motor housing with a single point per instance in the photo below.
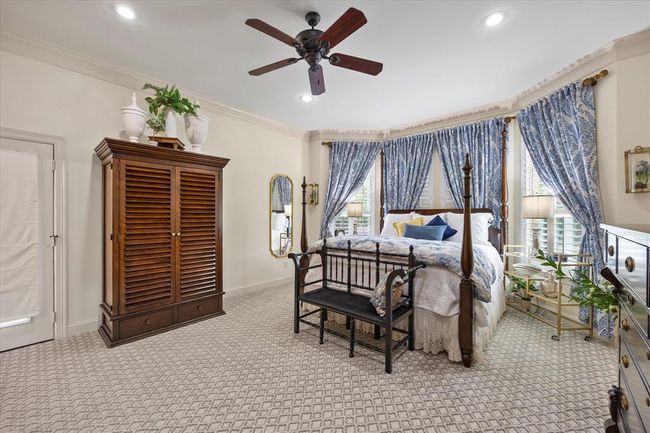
(312, 49)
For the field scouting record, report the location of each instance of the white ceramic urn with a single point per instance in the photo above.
(170, 124)
(133, 120)
(196, 129)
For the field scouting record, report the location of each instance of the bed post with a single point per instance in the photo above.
(466, 311)
(381, 190)
(304, 260)
(503, 238)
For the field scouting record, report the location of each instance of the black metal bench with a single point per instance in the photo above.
(357, 269)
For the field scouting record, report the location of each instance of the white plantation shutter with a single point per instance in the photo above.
(568, 231)
(426, 198)
(365, 195)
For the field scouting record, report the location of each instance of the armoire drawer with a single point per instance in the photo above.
(633, 266)
(628, 409)
(145, 323)
(635, 390)
(201, 307)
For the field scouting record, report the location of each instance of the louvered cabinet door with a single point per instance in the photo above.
(147, 218)
(198, 264)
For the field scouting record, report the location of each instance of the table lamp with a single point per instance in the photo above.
(354, 211)
(535, 207)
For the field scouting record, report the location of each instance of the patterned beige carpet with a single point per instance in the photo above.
(247, 372)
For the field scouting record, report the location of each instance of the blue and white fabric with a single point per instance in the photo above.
(350, 163)
(282, 192)
(559, 132)
(407, 164)
(431, 253)
(482, 140)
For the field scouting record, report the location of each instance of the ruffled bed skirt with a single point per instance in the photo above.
(435, 333)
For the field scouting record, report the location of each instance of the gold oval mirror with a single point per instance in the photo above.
(281, 215)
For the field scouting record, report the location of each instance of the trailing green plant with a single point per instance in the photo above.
(166, 99)
(584, 291)
(518, 286)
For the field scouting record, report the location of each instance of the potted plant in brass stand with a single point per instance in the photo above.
(163, 107)
(518, 287)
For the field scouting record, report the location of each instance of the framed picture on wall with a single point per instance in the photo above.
(637, 169)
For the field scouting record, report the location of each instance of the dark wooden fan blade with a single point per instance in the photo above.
(356, 64)
(272, 67)
(272, 31)
(316, 80)
(347, 24)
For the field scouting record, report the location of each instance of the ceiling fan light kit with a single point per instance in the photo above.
(313, 45)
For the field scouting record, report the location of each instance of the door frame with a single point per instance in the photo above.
(60, 222)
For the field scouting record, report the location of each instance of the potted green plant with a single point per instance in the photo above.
(166, 101)
(518, 287)
(584, 291)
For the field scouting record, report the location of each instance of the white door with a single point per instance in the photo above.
(26, 243)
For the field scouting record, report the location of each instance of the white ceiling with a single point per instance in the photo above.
(438, 57)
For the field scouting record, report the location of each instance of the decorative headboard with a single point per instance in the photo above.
(494, 233)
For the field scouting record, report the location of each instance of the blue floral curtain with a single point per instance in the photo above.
(407, 162)
(350, 162)
(282, 192)
(560, 134)
(483, 142)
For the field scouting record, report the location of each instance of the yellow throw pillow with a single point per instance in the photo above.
(400, 226)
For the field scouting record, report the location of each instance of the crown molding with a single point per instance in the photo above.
(65, 58)
(617, 50)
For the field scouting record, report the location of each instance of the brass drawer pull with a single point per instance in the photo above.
(173, 234)
(199, 308)
(625, 361)
(629, 264)
(625, 325)
(147, 321)
(610, 250)
(625, 404)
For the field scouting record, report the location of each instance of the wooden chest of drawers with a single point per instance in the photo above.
(627, 252)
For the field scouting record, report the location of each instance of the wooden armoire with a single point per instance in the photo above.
(162, 239)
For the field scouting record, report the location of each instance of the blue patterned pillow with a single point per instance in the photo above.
(431, 233)
(437, 221)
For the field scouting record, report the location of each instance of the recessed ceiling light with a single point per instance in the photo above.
(306, 98)
(494, 19)
(125, 12)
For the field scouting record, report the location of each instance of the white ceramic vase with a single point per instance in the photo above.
(196, 129)
(170, 124)
(133, 120)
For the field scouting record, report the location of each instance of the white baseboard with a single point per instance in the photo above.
(261, 285)
(82, 327)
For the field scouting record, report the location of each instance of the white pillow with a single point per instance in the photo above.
(480, 227)
(390, 219)
(427, 218)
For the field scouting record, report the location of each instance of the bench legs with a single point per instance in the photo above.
(296, 316)
(377, 333)
(323, 316)
(388, 349)
(352, 326)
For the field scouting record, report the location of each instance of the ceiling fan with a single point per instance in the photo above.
(313, 45)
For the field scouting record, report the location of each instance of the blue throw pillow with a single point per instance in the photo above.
(431, 233)
(437, 221)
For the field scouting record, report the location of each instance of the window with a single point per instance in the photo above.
(426, 198)
(564, 230)
(366, 196)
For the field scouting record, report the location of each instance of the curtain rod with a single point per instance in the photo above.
(588, 81)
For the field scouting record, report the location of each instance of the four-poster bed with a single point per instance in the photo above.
(466, 293)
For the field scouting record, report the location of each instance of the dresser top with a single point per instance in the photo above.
(635, 232)
(114, 148)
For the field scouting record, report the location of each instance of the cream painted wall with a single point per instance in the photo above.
(37, 97)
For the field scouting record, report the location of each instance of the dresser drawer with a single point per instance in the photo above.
(633, 266)
(636, 395)
(145, 323)
(201, 307)
(610, 251)
(633, 311)
(639, 352)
